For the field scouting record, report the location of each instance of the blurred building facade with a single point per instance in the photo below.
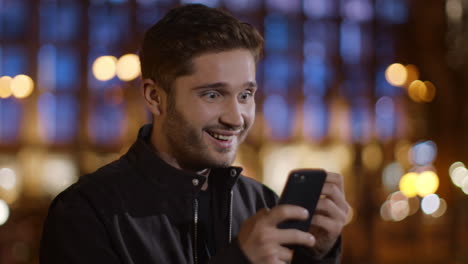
(373, 89)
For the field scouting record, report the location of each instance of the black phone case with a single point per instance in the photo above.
(303, 188)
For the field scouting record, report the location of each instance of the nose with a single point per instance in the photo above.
(233, 115)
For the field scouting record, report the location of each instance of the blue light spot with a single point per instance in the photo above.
(10, 120)
(394, 11)
(13, 17)
(361, 120)
(315, 118)
(276, 33)
(424, 153)
(317, 76)
(279, 116)
(58, 115)
(14, 61)
(385, 118)
(350, 42)
(106, 123)
(277, 73)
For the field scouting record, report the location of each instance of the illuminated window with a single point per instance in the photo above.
(315, 118)
(58, 116)
(59, 23)
(279, 116)
(14, 16)
(10, 120)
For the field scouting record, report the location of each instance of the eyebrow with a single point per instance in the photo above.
(222, 85)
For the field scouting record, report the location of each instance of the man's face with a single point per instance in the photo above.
(212, 110)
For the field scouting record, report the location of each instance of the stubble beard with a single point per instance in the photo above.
(187, 145)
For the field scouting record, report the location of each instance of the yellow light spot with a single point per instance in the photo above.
(413, 74)
(427, 183)
(372, 156)
(396, 74)
(408, 184)
(104, 68)
(22, 86)
(128, 67)
(5, 87)
(429, 92)
(416, 89)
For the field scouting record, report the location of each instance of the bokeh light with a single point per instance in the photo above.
(424, 153)
(441, 210)
(4, 212)
(427, 183)
(396, 74)
(128, 67)
(415, 90)
(408, 184)
(372, 156)
(22, 86)
(458, 175)
(385, 211)
(430, 203)
(5, 87)
(455, 165)
(402, 153)
(391, 176)
(104, 68)
(413, 203)
(58, 173)
(464, 185)
(399, 210)
(429, 92)
(7, 178)
(413, 74)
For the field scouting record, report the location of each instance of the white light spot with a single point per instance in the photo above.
(430, 203)
(7, 178)
(4, 212)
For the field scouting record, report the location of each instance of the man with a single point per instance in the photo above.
(174, 197)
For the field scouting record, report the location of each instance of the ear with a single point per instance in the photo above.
(154, 97)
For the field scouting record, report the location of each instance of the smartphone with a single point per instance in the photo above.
(303, 188)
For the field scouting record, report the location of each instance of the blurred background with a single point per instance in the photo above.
(373, 89)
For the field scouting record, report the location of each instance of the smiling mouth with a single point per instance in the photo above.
(221, 137)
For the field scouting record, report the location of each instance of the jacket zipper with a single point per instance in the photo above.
(230, 217)
(195, 226)
(195, 231)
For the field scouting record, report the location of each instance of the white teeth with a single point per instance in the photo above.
(221, 137)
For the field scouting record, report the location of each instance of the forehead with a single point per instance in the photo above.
(227, 66)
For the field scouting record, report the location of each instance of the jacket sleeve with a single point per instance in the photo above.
(74, 234)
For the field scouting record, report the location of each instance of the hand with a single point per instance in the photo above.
(330, 215)
(262, 241)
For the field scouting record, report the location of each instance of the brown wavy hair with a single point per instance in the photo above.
(188, 31)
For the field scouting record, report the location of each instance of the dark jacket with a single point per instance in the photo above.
(139, 209)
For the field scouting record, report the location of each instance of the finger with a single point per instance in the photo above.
(285, 254)
(284, 212)
(332, 192)
(328, 208)
(335, 178)
(295, 237)
(333, 228)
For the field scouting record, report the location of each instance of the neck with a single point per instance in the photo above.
(161, 148)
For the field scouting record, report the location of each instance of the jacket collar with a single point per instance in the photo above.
(148, 164)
